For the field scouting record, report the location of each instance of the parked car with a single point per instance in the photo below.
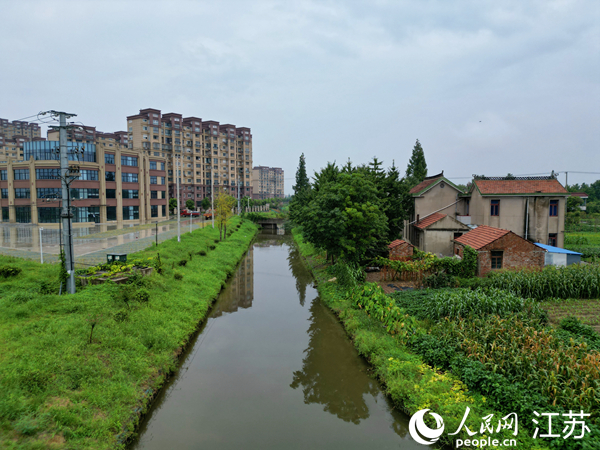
(187, 213)
(208, 214)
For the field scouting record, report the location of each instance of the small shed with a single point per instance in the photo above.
(556, 256)
(436, 231)
(400, 249)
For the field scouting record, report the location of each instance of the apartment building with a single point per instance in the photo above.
(267, 182)
(117, 184)
(13, 135)
(210, 155)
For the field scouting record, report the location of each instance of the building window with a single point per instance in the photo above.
(109, 176)
(86, 214)
(164, 210)
(131, 212)
(496, 259)
(153, 194)
(4, 193)
(21, 174)
(553, 208)
(552, 239)
(162, 166)
(153, 210)
(47, 174)
(129, 161)
(130, 193)
(88, 175)
(495, 208)
(49, 193)
(162, 180)
(48, 215)
(129, 177)
(111, 213)
(111, 193)
(3, 175)
(109, 159)
(82, 193)
(5, 214)
(153, 180)
(22, 193)
(152, 165)
(23, 214)
(457, 235)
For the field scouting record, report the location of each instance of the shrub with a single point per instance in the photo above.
(202, 253)
(142, 296)
(182, 262)
(178, 275)
(216, 241)
(348, 275)
(9, 271)
(212, 247)
(439, 280)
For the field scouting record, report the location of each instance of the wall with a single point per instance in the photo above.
(401, 251)
(435, 199)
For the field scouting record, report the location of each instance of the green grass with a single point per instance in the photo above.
(59, 391)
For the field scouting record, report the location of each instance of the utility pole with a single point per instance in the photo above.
(212, 204)
(66, 176)
(178, 205)
(566, 179)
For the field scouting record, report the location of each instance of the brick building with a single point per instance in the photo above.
(500, 249)
(399, 249)
(209, 153)
(267, 182)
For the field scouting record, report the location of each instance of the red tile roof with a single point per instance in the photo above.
(481, 236)
(422, 185)
(429, 220)
(520, 187)
(579, 194)
(396, 243)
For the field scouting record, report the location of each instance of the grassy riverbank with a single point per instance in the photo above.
(58, 390)
(412, 384)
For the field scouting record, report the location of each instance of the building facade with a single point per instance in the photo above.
(116, 184)
(210, 154)
(13, 135)
(267, 182)
(531, 207)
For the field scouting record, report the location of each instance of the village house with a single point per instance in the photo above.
(400, 249)
(500, 249)
(533, 208)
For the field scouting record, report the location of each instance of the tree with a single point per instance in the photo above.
(302, 193)
(189, 204)
(345, 217)
(395, 196)
(172, 204)
(223, 211)
(417, 167)
(206, 203)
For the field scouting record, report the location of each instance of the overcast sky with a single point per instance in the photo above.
(488, 87)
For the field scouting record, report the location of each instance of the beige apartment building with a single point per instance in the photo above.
(210, 154)
(267, 182)
(531, 207)
(13, 135)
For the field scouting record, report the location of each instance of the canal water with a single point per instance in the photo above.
(272, 368)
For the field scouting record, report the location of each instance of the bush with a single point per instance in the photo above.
(142, 296)
(9, 271)
(182, 262)
(202, 253)
(348, 275)
(178, 275)
(212, 247)
(439, 280)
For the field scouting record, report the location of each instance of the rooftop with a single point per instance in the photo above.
(426, 182)
(397, 242)
(429, 220)
(481, 236)
(520, 186)
(551, 249)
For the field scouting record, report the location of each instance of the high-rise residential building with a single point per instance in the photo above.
(117, 184)
(267, 182)
(210, 154)
(13, 135)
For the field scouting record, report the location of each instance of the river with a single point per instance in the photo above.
(272, 368)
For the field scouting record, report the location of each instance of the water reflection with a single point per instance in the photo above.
(329, 374)
(240, 291)
(302, 276)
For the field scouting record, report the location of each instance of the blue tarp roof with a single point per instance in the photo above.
(557, 250)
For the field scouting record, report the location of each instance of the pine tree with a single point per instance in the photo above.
(302, 193)
(302, 182)
(417, 167)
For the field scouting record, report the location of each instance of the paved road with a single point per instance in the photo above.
(99, 256)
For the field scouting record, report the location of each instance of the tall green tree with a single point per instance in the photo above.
(345, 217)
(417, 167)
(302, 193)
(189, 204)
(395, 197)
(206, 203)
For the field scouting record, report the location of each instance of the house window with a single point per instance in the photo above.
(495, 208)
(496, 259)
(553, 208)
(457, 235)
(552, 239)
(152, 165)
(109, 159)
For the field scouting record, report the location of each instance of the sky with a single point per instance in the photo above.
(488, 87)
